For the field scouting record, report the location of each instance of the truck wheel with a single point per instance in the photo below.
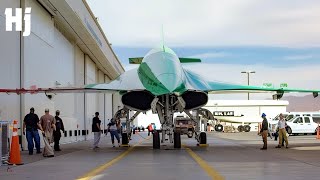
(247, 128)
(190, 134)
(177, 140)
(289, 130)
(203, 138)
(240, 128)
(219, 128)
(156, 140)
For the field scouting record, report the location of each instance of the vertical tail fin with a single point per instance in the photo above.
(162, 36)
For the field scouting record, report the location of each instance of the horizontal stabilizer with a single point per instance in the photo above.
(136, 60)
(189, 60)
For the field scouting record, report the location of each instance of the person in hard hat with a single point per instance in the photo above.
(282, 131)
(30, 129)
(56, 132)
(96, 129)
(264, 131)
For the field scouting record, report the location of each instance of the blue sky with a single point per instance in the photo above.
(271, 56)
(279, 40)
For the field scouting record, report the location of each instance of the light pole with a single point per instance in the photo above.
(248, 76)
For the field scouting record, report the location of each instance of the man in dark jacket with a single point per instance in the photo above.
(264, 131)
(31, 124)
(56, 132)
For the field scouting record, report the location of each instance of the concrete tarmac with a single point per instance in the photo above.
(228, 156)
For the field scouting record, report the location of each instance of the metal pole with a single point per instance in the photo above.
(248, 84)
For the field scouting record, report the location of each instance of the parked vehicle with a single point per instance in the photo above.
(184, 126)
(290, 116)
(305, 124)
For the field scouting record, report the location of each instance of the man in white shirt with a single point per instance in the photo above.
(282, 131)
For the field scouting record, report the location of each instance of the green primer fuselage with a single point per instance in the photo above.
(161, 72)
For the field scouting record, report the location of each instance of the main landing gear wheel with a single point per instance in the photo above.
(203, 138)
(219, 128)
(247, 128)
(156, 140)
(125, 139)
(240, 128)
(177, 140)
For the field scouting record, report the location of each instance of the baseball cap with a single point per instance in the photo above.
(46, 110)
(57, 111)
(263, 115)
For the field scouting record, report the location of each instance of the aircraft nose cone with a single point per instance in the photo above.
(170, 81)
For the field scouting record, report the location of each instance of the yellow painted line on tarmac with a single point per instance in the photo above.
(105, 166)
(204, 165)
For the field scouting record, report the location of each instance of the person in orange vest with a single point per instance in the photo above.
(150, 129)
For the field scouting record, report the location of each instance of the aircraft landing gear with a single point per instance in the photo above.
(156, 140)
(124, 139)
(177, 140)
(203, 138)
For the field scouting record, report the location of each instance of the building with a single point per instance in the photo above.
(67, 47)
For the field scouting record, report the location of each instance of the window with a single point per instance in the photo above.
(316, 119)
(306, 115)
(289, 117)
(306, 119)
(298, 120)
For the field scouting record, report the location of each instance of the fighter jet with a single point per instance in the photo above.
(160, 83)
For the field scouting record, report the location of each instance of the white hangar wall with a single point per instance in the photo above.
(52, 57)
(9, 64)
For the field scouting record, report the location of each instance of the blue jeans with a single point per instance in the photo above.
(114, 133)
(30, 136)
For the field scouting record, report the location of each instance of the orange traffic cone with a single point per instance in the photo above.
(318, 132)
(15, 158)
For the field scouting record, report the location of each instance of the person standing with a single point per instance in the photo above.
(96, 129)
(31, 124)
(282, 131)
(47, 123)
(264, 131)
(113, 129)
(150, 129)
(56, 132)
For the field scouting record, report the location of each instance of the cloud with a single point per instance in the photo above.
(298, 57)
(210, 55)
(209, 23)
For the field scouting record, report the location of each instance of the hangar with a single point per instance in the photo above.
(67, 47)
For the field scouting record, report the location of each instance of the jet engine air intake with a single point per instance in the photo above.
(138, 100)
(194, 99)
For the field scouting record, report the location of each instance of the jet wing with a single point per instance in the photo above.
(196, 82)
(127, 81)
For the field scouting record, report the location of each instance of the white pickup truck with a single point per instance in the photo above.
(305, 124)
(297, 125)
